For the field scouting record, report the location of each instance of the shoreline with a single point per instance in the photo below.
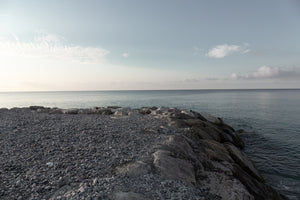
(187, 154)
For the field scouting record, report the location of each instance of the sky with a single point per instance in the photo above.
(59, 45)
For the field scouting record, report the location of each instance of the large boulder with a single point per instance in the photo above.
(212, 119)
(179, 145)
(215, 151)
(243, 161)
(123, 111)
(133, 169)
(208, 128)
(226, 187)
(227, 135)
(197, 133)
(259, 190)
(36, 107)
(144, 111)
(102, 111)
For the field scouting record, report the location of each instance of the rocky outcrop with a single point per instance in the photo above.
(122, 154)
(209, 155)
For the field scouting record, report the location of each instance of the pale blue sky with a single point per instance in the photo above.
(139, 44)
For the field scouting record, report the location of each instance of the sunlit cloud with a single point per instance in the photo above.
(220, 51)
(266, 72)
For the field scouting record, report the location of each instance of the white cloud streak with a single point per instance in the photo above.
(50, 47)
(266, 72)
(220, 51)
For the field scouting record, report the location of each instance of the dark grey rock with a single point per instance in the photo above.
(259, 190)
(145, 111)
(215, 151)
(243, 161)
(36, 107)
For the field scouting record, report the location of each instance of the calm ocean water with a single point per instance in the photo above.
(271, 119)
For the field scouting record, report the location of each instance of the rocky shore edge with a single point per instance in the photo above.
(205, 154)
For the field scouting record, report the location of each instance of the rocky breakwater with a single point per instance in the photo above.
(124, 154)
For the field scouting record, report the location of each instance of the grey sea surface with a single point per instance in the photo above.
(270, 118)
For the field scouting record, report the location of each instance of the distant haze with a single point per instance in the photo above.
(53, 45)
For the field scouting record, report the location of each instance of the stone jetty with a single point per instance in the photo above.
(119, 153)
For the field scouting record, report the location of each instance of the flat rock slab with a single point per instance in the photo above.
(174, 168)
(134, 169)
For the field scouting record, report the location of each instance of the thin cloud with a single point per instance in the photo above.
(125, 55)
(220, 51)
(266, 72)
(197, 51)
(52, 47)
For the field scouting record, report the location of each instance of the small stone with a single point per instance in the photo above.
(95, 181)
(49, 164)
(81, 189)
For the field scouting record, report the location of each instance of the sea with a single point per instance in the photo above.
(270, 118)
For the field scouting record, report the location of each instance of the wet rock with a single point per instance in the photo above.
(259, 190)
(238, 141)
(243, 161)
(228, 135)
(145, 111)
(226, 126)
(212, 119)
(240, 131)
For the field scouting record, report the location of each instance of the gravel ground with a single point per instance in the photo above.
(57, 156)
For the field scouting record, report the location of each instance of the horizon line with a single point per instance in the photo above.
(228, 89)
